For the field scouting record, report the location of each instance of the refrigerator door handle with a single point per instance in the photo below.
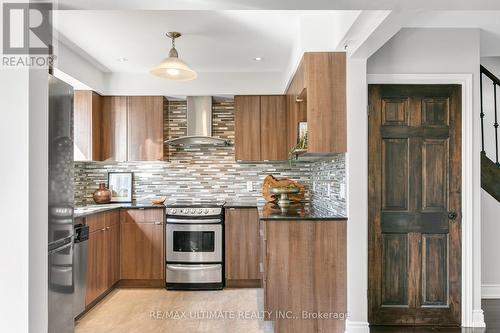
(59, 249)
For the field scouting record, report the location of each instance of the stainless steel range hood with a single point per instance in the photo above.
(199, 125)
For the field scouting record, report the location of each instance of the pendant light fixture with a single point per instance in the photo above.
(173, 68)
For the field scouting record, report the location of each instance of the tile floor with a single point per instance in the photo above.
(131, 310)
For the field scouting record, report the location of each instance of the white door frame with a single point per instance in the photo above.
(471, 183)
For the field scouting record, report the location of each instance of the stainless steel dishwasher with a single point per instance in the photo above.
(80, 268)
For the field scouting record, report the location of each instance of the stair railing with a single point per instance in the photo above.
(496, 82)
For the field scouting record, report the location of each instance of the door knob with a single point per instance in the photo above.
(452, 215)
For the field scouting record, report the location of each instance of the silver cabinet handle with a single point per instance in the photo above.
(193, 267)
(158, 223)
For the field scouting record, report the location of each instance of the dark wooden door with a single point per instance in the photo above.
(414, 189)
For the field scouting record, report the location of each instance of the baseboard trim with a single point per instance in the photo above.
(478, 318)
(357, 327)
(490, 291)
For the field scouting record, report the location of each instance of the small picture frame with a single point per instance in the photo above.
(120, 185)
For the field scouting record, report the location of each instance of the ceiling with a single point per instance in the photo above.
(212, 41)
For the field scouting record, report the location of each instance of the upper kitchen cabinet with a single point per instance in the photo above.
(247, 128)
(317, 94)
(133, 128)
(260, 128)
(145, 128)
(273, 121)
(114, 124)
(87, 125)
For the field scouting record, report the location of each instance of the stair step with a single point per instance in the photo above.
(490, 177)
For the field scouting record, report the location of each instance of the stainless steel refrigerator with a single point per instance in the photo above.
(60, 219)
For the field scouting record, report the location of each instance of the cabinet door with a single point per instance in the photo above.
(247, 128)
(273, 128)
(145, 128)
(96, 266)
(112, 253)
(242, 244)
(142, 249)
(114, 128)
(87, 125)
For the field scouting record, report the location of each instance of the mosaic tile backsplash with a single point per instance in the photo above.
(211, 172)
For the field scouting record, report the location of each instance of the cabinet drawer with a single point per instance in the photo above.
(112, 217)
(142, 215)
(95, 221)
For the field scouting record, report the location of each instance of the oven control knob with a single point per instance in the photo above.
(205, 211)
(173, 211)
(198, 211)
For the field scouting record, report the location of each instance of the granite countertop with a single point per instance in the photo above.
(82, 211)
(298, 211)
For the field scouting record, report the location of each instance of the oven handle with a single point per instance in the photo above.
(192, 221)
(193, 267)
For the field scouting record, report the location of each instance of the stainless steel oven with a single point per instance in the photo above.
(195, 246)
(194, 243)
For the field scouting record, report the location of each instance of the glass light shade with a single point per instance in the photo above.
(173, 68)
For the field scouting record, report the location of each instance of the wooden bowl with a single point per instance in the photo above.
(158, 200)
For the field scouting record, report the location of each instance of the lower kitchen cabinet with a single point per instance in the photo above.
(96, 266)
(242, 250)
(305, 270)
(142, 254)
(103, 253)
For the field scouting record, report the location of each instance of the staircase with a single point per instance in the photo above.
(490, 170)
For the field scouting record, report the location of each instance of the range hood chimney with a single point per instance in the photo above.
(199, 125)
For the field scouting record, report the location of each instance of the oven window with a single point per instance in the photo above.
(194, 241)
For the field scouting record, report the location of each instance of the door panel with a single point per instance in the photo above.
(434, 175)
(395, 265)
(414, 181)
(435, 270)
(395, 174)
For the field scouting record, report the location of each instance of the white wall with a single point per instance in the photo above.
(13, 200)
(425, 51)
(490, 208)
(357, 196)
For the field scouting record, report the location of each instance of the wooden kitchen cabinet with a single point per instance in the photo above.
(97, 279)
(145, 128)
(273, 128)
(319, 88)
(242, 247)
(132, 128)
(260, 128)
(247, 128)
(305, 270)
(103, 253)
(114, 128)
(87, 125)
(142, 246)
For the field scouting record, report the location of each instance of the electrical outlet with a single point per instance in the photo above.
(342, 191)
(249, 186)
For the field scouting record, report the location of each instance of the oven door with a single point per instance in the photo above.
(194, 243)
